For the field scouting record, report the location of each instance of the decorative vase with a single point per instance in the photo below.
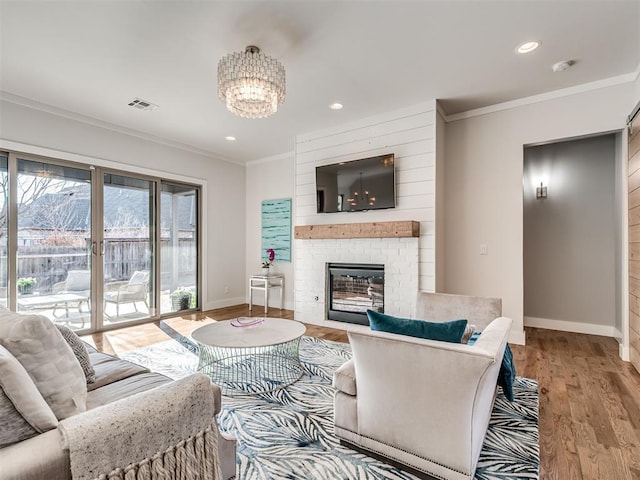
(265, 270)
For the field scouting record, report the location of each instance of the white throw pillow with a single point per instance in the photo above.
(78, 280)
(39, 347)
(23, 411)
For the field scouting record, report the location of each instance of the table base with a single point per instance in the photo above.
(251, 370)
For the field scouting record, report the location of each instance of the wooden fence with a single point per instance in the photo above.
(122, 256)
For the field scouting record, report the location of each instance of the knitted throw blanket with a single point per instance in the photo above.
(165, 433)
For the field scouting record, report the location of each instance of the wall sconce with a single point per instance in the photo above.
(541, 191)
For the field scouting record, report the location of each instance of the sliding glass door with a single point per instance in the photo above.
(53, 267)
(94, 248)
(179, 240)
(129, 229)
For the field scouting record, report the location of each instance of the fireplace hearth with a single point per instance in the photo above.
(352, 289)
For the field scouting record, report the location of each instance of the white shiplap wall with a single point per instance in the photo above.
(410, 135)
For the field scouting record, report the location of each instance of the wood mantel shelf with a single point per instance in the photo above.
(407, 228)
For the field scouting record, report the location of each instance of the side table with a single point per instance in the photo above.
(265, 283)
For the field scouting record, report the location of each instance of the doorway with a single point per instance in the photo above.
(572, 236)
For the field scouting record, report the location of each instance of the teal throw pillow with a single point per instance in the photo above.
(507, 372)
(442, 331)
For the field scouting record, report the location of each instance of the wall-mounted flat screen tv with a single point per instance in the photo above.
(355, 186)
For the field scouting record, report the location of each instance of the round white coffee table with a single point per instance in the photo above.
(250, 360)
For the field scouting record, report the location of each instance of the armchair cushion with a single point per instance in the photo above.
(138, 277)
(443, 331)
(49, 361)
(128, 291)
(78, 280)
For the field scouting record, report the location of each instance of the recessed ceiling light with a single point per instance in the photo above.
(336, 106)
(527, 47)
(230, 138)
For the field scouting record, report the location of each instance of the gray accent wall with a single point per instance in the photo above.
(570, 237)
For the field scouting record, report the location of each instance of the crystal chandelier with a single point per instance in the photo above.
(250, 83)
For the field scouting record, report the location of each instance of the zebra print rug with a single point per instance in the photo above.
(288, 434)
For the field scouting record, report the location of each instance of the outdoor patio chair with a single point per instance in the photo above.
(77, 282)
(132, 291)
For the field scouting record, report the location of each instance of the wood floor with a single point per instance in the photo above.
(589, 398)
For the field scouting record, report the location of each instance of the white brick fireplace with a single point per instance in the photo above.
(398, 255)
(410, 261)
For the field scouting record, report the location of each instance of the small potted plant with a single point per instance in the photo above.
(181, 299)
(26, 284)
(268, 261)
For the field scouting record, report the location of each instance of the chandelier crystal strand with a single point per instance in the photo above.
(251, 84)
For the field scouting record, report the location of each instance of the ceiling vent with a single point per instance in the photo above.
(142, 105)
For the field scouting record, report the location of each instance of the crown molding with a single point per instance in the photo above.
(440, 110)
(60, 112)
(43, 151)
(543, 97)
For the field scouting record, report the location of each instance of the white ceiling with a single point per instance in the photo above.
(93, 57)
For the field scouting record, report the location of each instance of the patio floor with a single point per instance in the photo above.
(79, 318)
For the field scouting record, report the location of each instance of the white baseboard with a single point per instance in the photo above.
(227, 302)
(575, 327)
(624, 353)
(273, 303)
(518, 338)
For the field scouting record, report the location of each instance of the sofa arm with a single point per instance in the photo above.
(35, 458)
(136, 428)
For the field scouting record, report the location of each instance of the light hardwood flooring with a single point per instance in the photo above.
(589, 399)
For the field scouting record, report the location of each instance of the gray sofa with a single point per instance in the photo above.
(422, 404)
(131, 389)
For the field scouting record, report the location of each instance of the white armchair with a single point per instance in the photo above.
(77, 282)
(423, 405)
(131, 291)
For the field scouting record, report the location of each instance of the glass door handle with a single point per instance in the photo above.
(94, 248)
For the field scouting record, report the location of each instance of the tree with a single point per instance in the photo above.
(45, 203)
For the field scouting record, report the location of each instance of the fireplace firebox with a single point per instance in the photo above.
(352, 289)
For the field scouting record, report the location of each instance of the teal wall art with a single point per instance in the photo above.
(276, 228)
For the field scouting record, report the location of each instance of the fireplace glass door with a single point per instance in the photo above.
(353, 289)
